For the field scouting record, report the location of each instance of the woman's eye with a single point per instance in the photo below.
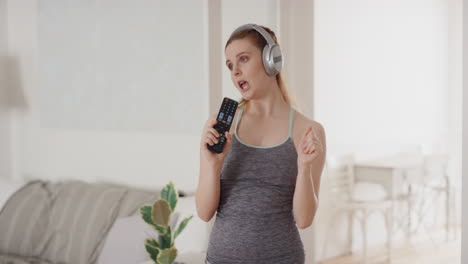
(229, 66)
(244, 59)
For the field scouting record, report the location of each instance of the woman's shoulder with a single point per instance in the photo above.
(302, 122)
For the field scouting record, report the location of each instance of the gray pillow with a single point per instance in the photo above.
(7, 259)
(24, 219)
(134, 198)
(81, 215)
(125, 242)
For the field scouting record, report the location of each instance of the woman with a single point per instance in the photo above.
(265, 183)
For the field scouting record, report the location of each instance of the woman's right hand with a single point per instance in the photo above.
(210, 137)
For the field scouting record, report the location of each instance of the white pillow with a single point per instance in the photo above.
(195, 237)
(364, 191)
(125, 241)
(7, 188)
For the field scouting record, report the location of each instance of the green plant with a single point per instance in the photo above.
(158, 216)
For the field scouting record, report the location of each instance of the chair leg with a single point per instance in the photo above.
(421, 217)
(447, 208)
(350, 231)
(410, 209)
(364, 236)
(437, 208)
(455, 215)
(389, 223)
(447, 215)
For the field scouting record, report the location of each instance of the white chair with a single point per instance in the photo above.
(344, 198)
(436, 182)
(413, 193)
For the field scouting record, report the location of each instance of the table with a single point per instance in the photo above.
(395, 173)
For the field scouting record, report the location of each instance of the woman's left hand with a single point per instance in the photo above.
(310, 148)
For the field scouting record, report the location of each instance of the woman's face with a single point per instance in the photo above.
(244, 60)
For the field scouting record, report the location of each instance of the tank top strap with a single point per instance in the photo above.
(291, 119)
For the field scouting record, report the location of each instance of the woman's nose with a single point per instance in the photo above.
(235, 70)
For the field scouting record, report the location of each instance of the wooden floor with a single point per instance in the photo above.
(422, 249)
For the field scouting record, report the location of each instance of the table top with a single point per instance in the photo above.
(393, 162)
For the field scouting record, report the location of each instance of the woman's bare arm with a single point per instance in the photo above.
(208, 190)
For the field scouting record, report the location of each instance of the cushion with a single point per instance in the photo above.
(136, 198)
(81, 215)
(125, 242)
(9, 259)
(7, 188)
(132, 201)
(24, 219)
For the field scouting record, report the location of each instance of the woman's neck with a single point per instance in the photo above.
(270, 105)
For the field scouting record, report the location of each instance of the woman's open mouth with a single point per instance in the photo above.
(244, 86)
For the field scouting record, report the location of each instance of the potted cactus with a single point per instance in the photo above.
(162, 249)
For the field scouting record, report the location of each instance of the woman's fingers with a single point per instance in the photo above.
(209, 134)
(212, 136)
(309, 148)
(308, 136)
(211, 140)
(214, 132)
(306, 148)
(310, 144)
(304, 136)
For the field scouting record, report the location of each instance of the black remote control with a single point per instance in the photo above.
(225, 118)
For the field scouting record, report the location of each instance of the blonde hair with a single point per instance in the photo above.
(259, 41)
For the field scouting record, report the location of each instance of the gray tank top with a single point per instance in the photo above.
(254, 221)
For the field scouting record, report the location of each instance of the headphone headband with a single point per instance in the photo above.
(259, 29)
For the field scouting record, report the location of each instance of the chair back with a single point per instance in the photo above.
(435, 168)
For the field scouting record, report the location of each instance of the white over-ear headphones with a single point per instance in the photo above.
(271, 55)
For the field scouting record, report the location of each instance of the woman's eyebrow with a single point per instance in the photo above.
(238, 54)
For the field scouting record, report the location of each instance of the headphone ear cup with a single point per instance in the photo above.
(265, 56)
(276, 59)
(272, 59)
(267, 63)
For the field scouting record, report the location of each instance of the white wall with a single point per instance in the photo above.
(48, 123)
(382, 84)
(464, 246)
(297, 40)
(5, 142)
(455, 97)
(54, 148)
(381, 71)
(122, 63)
